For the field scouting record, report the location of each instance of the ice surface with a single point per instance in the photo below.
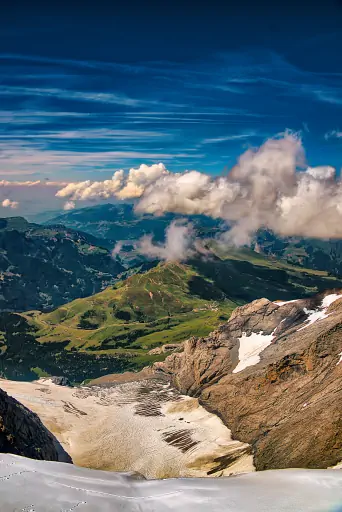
(250, 348)
(39, 486)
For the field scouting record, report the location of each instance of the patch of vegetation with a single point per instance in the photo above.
(40, 373)
(325, 255)
(114, 330)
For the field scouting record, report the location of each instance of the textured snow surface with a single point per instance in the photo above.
(144, 426)
(321, 312)
(250, 348)
(37, 486)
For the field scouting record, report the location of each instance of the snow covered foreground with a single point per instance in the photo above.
(37, 486)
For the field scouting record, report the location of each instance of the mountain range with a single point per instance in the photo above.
(121, 222)
(42, 267)
(114, 222)
(122, 327)
(249, 333)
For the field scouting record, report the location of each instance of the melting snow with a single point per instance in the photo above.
(321, 312)
(250, 349)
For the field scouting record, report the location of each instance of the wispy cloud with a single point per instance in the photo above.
(87, 134)
(27, 117)
(239, 136)
(17, 156)
(333, 134)
(72, 95)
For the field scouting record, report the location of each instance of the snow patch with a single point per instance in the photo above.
(318, 314)
(251, 347)
(281, 303)
(329, 299)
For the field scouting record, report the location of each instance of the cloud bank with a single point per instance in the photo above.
(271, 186)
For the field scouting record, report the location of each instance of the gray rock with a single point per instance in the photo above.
(22, 433)
(60, 381)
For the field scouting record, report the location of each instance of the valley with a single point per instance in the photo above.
(173, 340)
(122, 327)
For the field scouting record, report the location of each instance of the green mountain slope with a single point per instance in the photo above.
(115, 329)
(311, 253)
(42, 267)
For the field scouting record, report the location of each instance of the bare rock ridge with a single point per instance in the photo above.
(22, 433)
(273, 374)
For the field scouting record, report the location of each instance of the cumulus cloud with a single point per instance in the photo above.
(131, 186)
(323, 172)
(270, 186)
(139, 179)
(7, 203)
(179, 243)
(85, 190)
(69, 205)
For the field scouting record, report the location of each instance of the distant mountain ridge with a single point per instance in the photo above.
(120, 222)
(42, 267)
(307, 252)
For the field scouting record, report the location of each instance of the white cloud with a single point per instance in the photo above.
(139, 179)
(269, 187)
(7, 203)
(229, 138)
(69, 205)
(179, 240)
(85, 190)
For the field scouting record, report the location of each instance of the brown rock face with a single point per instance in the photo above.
(287, 405)
(22, 433)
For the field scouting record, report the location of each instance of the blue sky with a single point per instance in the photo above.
(84, 92)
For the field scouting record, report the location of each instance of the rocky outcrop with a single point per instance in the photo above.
(22, 433)
(169, 347)
(59, 381)
(285, 399)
